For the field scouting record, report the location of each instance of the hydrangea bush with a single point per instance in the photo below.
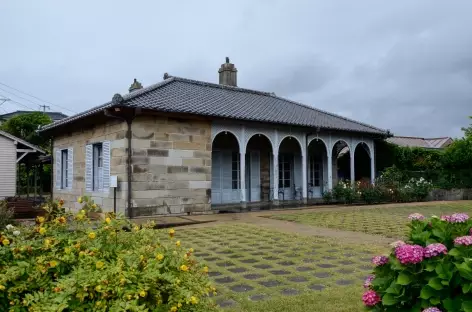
(73, 264)
(431, 272)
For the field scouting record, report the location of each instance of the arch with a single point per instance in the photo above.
(341, 141)
(369, 151)
(290, 136)
(326, 145)
(227, 131)
(260, 134)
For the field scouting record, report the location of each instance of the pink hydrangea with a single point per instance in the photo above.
(370, 298)
(434, 250)
(416, 216)
(433, 309)
(459, 218)
(379, 260)
(409, 254)
(398, 243)
(446, 218)
(368, 281)
(463, 240)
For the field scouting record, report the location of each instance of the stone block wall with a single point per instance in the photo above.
(171, 165)
(113, 131)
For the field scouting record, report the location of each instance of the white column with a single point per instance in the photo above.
(275, 167)
(242, 174)
(353, 176)
(304, 178)
(330, 171)
(372, 165)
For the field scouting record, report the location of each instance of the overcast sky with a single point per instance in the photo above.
(399, 65)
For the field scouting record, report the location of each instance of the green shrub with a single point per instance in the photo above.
(73, 264)
(432, 272)
(6, 215)
(369, 193)
(345, 192)
(328, 197)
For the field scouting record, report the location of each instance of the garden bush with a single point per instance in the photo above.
(71, 263)
(432, 272)
(6, 214)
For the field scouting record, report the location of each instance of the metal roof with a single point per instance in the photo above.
(420, 142)
(180, 95)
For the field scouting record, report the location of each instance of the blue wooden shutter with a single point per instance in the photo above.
(88, 167)
(106, 165)
(58, 165)
(70, 167)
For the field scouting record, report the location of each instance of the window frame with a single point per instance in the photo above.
(64, 168)
(285, 168)
(97, 166)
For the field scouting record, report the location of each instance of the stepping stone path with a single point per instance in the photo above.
(346, 262)
(304, 269)
(286, 263)
(257, 297)
(225, 280)
(279, 272)
(316, 287)
(253, 276)
(289, 292)
(212, 259)
(248, 261)
(271, 258)
(297, 279)
(225, 303)
(271, 283)
(202, 254)
(237, 270)
(346, 271)
(225, 264)
(262, 266)
(343, 282)
(241, 288)
(322, 274)
(214, 273)
(326, 265)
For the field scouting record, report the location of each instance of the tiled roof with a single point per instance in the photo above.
(420, 142)
(180, 95)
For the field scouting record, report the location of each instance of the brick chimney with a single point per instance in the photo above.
(136, 85)
(228, 74)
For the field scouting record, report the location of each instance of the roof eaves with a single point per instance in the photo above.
(14, 138)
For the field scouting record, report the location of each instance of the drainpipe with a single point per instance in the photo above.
(129, 136)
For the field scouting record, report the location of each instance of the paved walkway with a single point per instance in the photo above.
(259, 218)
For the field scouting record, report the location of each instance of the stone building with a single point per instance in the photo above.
(186, 146)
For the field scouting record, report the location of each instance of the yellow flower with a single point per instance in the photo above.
(92, 235)
(5, 242)
(67, 250)
(42, 231)
(122, 281)
(99, 264)
(179, 305)
(177, 243)
(205, 269)
(173, 309)
(41, 219)
(160, 257)
(141, 258)
(171, 232)
(80, 200)
(98, 303)
(108, 220)
(194, 300)
(191, 250)
(142, 293)
(62, 220)
(52, 264)
(184, 268)
(136, 228)
(2, 287)
(129, 297)
(98, 288)
(94, 206)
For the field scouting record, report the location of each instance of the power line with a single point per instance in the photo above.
(21, 104)
(37, 98)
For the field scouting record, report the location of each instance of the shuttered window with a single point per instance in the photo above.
(64, 168)
(97, 167)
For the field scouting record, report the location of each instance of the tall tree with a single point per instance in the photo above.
(468, 130)
(25, 127)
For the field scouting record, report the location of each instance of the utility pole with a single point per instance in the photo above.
(4, 100)
(44, 107)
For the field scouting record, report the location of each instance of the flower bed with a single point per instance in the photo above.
(431, 272)
(70, 263)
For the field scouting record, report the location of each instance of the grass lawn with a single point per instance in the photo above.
(258, 269)
(389, 222)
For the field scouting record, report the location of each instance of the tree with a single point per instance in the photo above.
(25, 127)
(468, 130)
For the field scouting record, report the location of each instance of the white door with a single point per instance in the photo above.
(216, 177)
(286, 178)
(255, 176)
(316, 176)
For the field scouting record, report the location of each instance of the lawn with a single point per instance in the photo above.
(257, 269)
(389, 222)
